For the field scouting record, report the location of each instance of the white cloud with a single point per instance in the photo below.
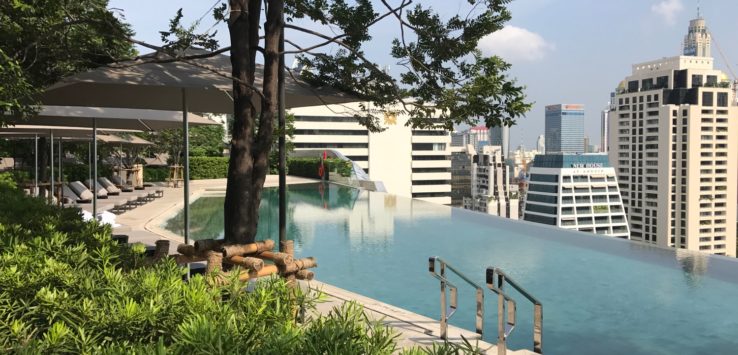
(668, 9)
(515, 44)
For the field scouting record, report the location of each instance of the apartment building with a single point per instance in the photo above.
(673, 140)
(409, 162)
(575, 191)
(491, 185)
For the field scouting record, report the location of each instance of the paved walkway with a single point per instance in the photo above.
(143, 224)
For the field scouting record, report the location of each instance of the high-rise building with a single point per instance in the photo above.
(586, 145)
(461, 174)
(491, 185)
(564, 128)
(577, 192)
(541, 144)
(604, 128)
(409, 162)
(698, 39)
(457, 139)
(475, 135)
(674, 140)
(500, 136)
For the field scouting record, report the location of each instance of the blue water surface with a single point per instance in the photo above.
(600, 295)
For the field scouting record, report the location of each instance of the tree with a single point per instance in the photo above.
(446, 80)
(42, 41)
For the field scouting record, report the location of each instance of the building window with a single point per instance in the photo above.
(707, 98)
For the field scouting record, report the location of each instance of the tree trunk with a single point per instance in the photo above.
(250, 145)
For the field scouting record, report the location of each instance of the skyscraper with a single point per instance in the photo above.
(500, 136)
(541, 144)
(674, 144)
(604, 128)
(564, 128)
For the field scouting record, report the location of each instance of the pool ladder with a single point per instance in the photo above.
(506, 306)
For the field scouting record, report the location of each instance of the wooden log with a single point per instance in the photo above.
(207, 244)
(254, 264)
(306, 275)
(298, 265)
(287, 247)
(266, 271)
(186, 249)
(214, 261)
(184, 259)
(230, 250)
(281, 259)
(162, 249)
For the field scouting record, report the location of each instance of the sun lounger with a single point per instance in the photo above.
(70, 197)
(81, 191)
(119, 183)
(101, 192)
(108, 185)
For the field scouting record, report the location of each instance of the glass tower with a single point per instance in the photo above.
(565, 129)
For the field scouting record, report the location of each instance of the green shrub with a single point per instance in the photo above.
(155, 173)
(66, 287)
(81, 172)
(308, 167)
(208, 168)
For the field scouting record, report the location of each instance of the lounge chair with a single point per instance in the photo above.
(70, 197)
(81, 191)
(118, 182)
(101, 191)
(108, 185)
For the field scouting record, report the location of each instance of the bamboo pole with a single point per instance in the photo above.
(215, 261)
(254, 264)
(306, 275)
(207, 244)
(280, 259)
(162, 249)
(287, 247)
(185, 259)
(299, 264)
(186, 249)
(230, 250)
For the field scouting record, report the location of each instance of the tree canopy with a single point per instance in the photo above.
(42, 41)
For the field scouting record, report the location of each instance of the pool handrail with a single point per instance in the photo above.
(447, 312)
(505, 303)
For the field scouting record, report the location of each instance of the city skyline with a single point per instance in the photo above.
(544, 57)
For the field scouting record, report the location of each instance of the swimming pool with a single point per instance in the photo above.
(600, 295)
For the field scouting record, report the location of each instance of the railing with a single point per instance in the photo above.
(447, 312)
(506, 309)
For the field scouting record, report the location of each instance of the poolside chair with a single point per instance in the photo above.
(70, 197)
(81, 191)
(118, 181)
(101, 191)
(108, 185)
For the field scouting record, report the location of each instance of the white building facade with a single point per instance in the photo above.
(409, 162)
(491, 192)
(578, 192)
(674, 144)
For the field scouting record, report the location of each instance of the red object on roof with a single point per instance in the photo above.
(479, 128)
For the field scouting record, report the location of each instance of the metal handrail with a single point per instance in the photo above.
(446, 313)
(505, 327)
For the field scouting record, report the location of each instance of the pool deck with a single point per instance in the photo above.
(142, 224)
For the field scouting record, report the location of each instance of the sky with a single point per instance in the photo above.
(562, 51)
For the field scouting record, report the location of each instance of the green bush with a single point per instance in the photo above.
(208, 168)
(308, 167)
(81, 172)
(155, 173)
(66, 287)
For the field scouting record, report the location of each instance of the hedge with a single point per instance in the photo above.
(308, 167)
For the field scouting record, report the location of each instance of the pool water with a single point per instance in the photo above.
(600, 295)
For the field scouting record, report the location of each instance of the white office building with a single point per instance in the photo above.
(674, 143)
(408, 162)
(578, 192)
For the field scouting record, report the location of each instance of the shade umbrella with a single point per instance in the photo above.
(71, 117)
(200, 85)
(144, 85)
